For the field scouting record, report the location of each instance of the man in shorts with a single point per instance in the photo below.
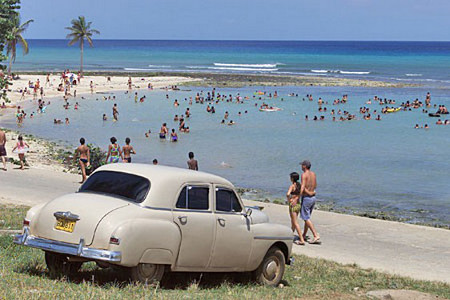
(308, 193)
(3, 148)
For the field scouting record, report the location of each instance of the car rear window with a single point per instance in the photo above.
(132, 187)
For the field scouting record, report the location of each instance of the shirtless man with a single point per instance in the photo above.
(127, 151)
(115, 112)
(84, 160)
(308, 193)
(192, 163)
(3, 149)
(163, 131)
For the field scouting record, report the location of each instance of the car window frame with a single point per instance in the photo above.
(198, 185)
(220, 187)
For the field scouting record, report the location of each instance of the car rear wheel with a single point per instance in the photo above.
(59, 264)
(147, 273)
(271, 270)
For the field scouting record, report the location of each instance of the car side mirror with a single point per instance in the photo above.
(248, 212)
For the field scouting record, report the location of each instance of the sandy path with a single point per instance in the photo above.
(416, 251)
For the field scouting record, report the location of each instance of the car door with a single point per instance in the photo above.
(233, 232)
(193, 214)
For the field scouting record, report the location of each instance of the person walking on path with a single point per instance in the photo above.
(3, 149)
(85, 158)
(192, 163)
(308, 193)
(21, 148)
(293, 197)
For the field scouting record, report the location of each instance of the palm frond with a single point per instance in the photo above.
(24, 44)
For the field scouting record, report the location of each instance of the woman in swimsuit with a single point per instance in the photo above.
(84, 160)
(114, 152)
(173, 136)
(22, 148)
(293, 197)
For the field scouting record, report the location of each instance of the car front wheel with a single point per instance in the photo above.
(59, 264)
(271, 270)
(147, 273)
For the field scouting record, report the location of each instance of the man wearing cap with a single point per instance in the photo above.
(308, 193)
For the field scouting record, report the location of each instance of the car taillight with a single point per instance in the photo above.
(26, 222)
(114, 240)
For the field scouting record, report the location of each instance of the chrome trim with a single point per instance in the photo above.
(79, 249)
(66, 215)
(291, 261)
(274, 238)
(192, 210)
(157, 208)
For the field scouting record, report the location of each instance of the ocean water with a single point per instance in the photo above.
(362, 166)
(416, 62)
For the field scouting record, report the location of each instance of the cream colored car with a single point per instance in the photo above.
(155, 219)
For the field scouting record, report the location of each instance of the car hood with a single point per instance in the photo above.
(88, 208)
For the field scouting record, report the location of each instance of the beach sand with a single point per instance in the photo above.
(101, 85)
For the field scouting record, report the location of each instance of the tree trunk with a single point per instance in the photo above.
(10, 64)
(81, 58)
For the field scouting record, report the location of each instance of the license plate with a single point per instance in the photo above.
(65, 225)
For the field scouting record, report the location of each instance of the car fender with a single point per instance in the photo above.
(266, 235)
(32, 214)
(147, 241)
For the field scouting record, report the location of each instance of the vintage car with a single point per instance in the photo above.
(155, 219)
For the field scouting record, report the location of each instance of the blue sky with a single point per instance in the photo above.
(246, 19)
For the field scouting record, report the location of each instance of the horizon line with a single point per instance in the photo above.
(255, 40)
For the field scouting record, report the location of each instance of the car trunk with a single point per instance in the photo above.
(88, 208)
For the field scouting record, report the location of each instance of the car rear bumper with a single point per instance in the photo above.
(65, 248)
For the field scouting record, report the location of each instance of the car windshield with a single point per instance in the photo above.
(132, 187)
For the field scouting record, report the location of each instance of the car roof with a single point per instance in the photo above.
(165, 181)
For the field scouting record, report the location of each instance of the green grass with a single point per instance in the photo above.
(11, 216)
(24, 276)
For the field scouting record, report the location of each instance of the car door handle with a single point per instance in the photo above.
(183, 219)
(221, 221)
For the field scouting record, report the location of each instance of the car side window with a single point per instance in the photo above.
(193, 197)
(226, 200)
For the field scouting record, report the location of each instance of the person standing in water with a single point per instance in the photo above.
(173, 136)
(164, 131)
(85, 158)
(293, 197)
(192, 162)
(115, 112)
(308, 193)
(3, 149)
(127, 151)
(114, 152)
(22, 148)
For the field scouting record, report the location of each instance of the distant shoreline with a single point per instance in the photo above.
(235, 80)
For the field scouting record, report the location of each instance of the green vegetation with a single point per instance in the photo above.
(8, 13)
(24, 275)
(15, 38)
(80, 31)
(11, 216)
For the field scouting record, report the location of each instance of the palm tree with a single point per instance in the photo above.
(15, 38)
(79, 31)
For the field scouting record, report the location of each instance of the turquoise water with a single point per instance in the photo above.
(362, 166)
(417, 62)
